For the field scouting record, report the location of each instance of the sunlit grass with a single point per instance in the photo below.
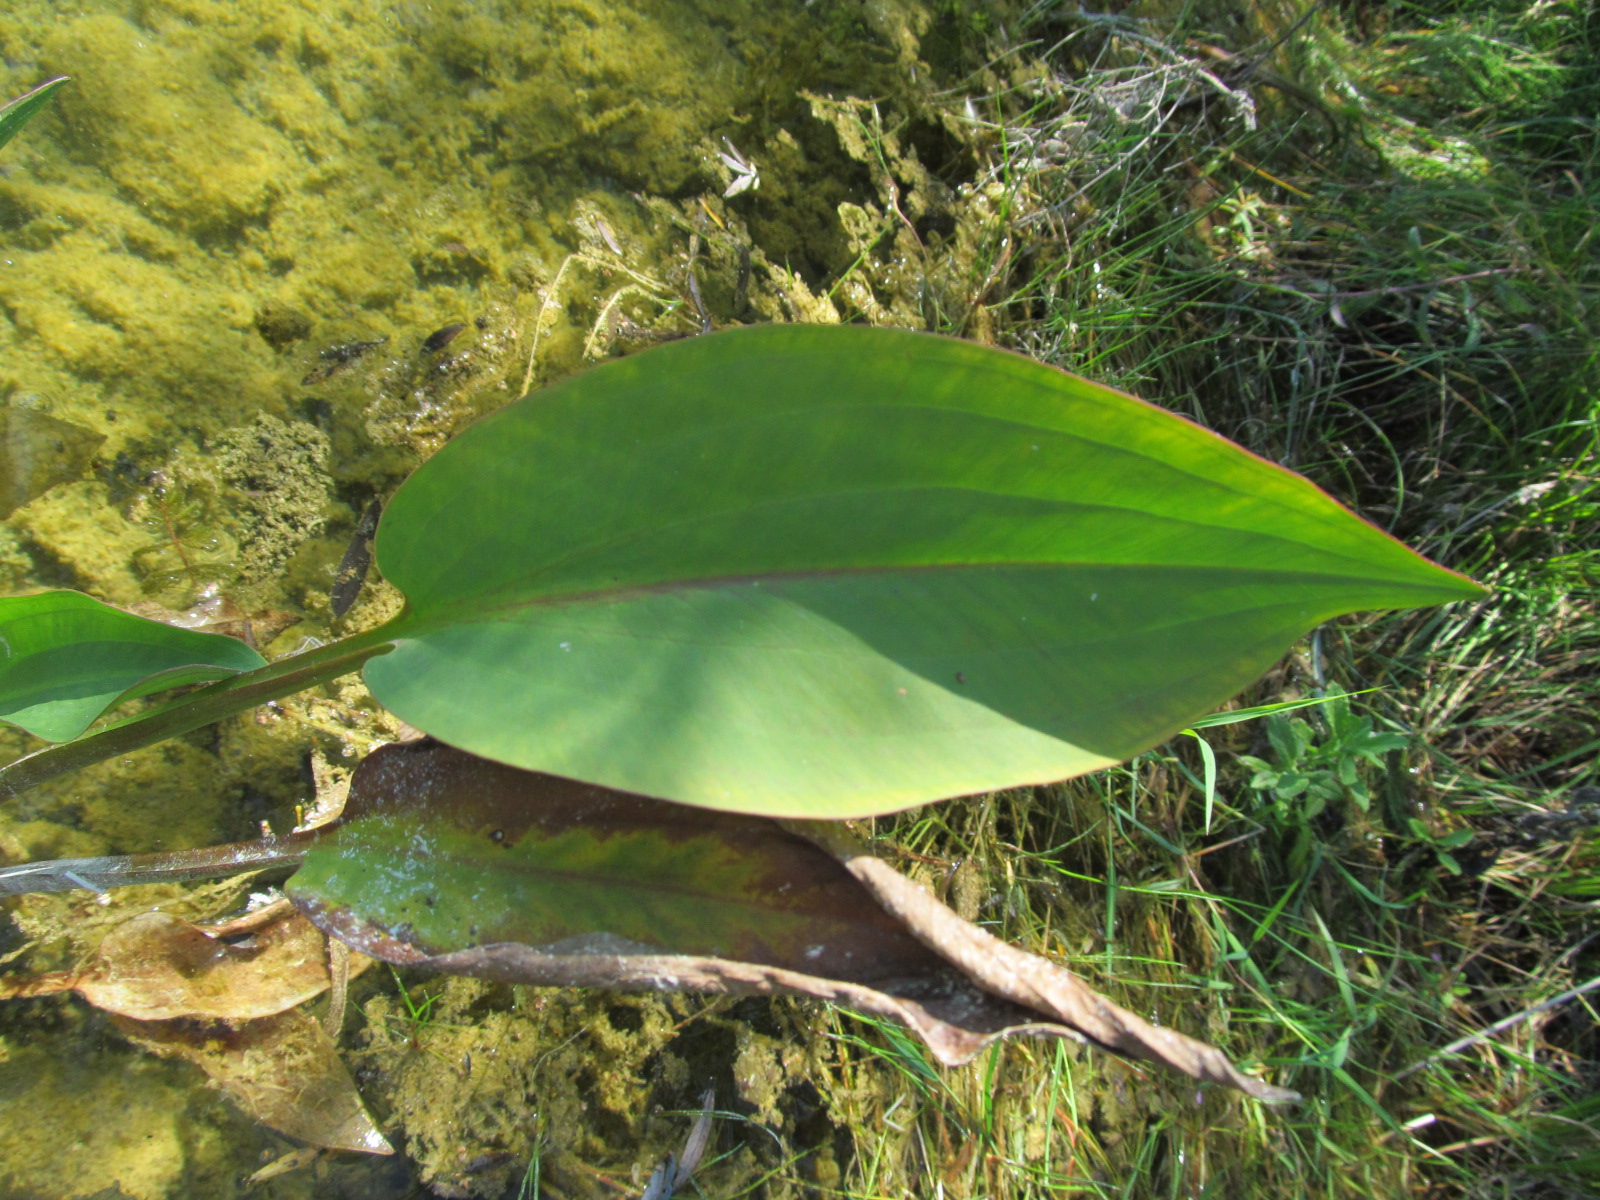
(1390, 284)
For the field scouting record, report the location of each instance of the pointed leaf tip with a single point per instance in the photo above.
(24, 108)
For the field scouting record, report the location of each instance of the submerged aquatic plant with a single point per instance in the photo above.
(24, 108)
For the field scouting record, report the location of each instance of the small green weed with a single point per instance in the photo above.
(1319, 770)
(418, 1013)
(1313, 769)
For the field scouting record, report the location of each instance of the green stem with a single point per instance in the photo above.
(211, 703)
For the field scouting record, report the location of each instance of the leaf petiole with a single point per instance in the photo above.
(210, 703)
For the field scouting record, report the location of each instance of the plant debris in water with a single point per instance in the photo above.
(38, 451)
(453, 862)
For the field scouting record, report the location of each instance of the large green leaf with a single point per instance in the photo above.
(24, 108)
(65, 658)
(837, 571)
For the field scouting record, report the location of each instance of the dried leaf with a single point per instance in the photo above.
(673, 1172)
(304, 1156)
(339, 964)
(157, 967)
(471, 867)
(228, 1008)
(475, 868)
(1027, 979)
(37, 452)
(283, 1070)
(694, 1148)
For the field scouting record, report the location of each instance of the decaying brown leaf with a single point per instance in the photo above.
(228, 1007)
(39, 451)
(469, 867)
(283, 1070)
(1026, 979)
(157, 967)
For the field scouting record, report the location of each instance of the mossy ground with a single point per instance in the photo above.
(1358, 240)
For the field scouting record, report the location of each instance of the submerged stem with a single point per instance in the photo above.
(123, 870)
(211, 703)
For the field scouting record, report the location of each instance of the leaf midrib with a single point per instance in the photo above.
(1063, 507)
(1335, 516)
(478, 610)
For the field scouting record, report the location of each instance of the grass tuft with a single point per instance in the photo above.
(1361, 242)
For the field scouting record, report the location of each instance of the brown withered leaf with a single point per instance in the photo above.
(283, 1070)
(37, 452)
(1026, 979)
(229, 1007)
(470, 867)
(157, 967)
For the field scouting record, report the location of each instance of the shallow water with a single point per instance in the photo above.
(261, 257)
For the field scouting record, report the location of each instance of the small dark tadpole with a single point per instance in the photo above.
(336, 358)
(440, 338)
(350, 351)
(355, 564)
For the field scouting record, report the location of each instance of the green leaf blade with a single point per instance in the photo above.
(24, 108)
(641, 886)
(65, 658)
(832, 572)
